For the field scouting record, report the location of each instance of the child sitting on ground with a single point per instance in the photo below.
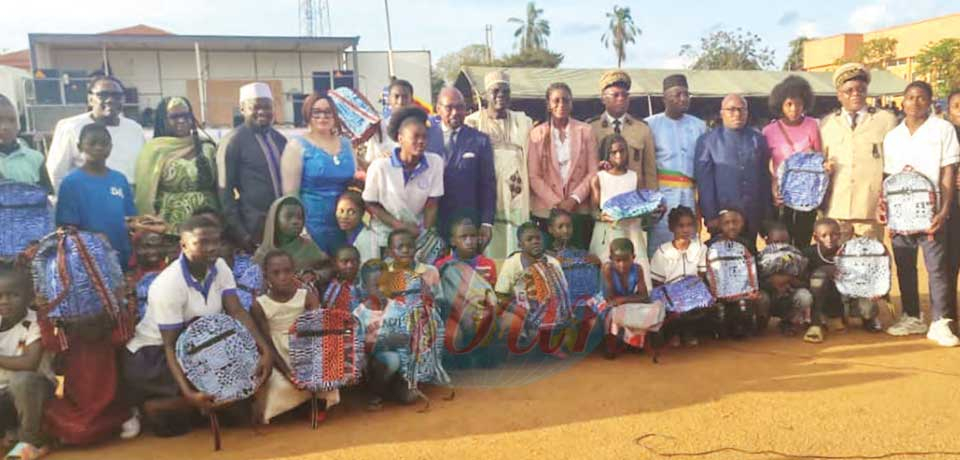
(684, 256)
(738, 316)
(274, 313)
(626, 288)
(25, 382)
(560, 228)
(464, 240)
(782, 291)
(828, 304)
(531, 252)
(344, 290)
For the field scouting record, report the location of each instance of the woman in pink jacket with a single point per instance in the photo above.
(562, 159)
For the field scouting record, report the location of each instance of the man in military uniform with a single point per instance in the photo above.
(642, 154)
(853, 144)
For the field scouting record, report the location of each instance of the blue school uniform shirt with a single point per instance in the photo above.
(98, 204)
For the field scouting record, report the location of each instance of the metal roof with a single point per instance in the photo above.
(531, 83)
(186, 42)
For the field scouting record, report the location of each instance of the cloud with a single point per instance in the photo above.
(807, 29)
(788, 18)
(869, 17)
(675, 62)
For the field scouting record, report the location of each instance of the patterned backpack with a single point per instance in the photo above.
(863, 268)
(583, 277)
(326, 350)
(219, 357)
(78, 274)
(803, 181)
(357, 115)
(26, 215)
(684, 294)
(781, 258)
(731, 270)
(637, 203)
(911, 202)
(430, 247)
(542, 293)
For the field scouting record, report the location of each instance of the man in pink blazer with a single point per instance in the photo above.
(561, 161)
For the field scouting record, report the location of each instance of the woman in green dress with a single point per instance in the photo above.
(175, 170)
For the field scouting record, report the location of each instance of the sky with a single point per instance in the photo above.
(447, 26)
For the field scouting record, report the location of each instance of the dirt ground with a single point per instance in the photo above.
(857, 395)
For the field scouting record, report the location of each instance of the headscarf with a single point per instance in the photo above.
(306, 254)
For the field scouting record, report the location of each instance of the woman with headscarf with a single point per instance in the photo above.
(283, 230)
(317, 167)
(175, 170)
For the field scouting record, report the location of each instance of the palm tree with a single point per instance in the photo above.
(622, 32)
(532, 32)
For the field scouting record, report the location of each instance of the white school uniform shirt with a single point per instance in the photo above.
(404, 200)
(176, 297)
(14, 341)
(932, 146)
(64, 156)
(669, 263)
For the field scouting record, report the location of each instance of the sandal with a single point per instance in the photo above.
(26, 451)
(813, 335)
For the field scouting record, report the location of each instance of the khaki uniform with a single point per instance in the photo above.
(642, 155)
(858, 167)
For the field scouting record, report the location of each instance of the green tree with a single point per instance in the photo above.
(729, 50)
(532, 31)
(620, 33)
(938, 63)
(795, 59)
(448, 66)
(531, 58)
(874, 53)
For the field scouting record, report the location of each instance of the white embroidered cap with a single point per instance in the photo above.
(255, 90)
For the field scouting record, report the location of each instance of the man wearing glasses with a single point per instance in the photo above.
(732, 170)
(615, 119)
(105, 99)
(853, 144)
(469, 178)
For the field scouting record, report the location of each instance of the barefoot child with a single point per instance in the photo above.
(684, 256)
(608, 184)
(626, 287)
(274, 312)
(25, 384)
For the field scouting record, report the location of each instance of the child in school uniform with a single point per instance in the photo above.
(626, 287)
(608, 184)
(684, 256)
(274, 313)
(782, 291)
(25, 379)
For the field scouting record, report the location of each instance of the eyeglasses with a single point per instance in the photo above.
(102, 95)
(321, 113)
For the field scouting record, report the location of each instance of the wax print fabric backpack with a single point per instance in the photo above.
(803, 181)
(430, 247)
(783, 259)
(25, 216)
(637, 203)
(863, 268)
(684, 294)
(467, 301)
(358, 117)
(219, 357)
(326, 349)
(731, 270)
(410, 311)
(911, 202)
(583, 277)
(542, 294)
(79, 275)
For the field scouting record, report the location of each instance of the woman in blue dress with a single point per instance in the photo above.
(317, 167)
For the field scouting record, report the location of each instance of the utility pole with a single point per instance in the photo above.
(386, 9)
(488, 39)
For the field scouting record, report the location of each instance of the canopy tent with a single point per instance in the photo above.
(528, 87)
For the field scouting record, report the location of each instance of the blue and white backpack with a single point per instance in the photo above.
(803, 181)
(26, 216)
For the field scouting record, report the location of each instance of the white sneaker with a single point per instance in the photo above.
(907, 325)
(131, 428)
(940, 332)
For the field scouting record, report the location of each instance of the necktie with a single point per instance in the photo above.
(853, 120)
(616, 126)
(451, 140)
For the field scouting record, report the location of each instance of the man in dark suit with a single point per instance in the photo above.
(469, 179)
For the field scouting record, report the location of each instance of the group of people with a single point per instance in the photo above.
(490, 193)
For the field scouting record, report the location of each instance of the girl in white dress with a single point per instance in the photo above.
(274, 313)
(607, 184)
